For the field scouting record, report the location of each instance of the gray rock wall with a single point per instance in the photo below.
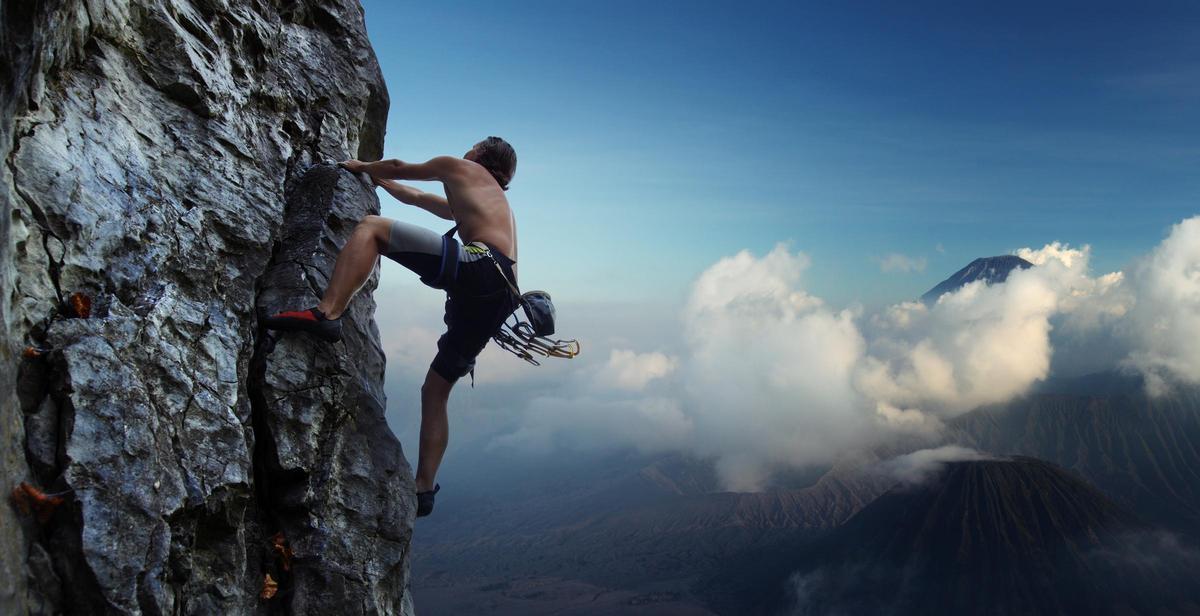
(161, 163)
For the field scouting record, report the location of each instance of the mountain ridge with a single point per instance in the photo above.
(991, 270)
(1012, 536)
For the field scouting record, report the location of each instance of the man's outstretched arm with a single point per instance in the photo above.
(429, 202)
(437, 168)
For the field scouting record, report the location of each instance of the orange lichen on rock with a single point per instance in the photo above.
(32, 501)
(81, 305)
(269, 587)
(279, 542)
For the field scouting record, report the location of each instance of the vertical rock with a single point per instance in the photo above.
(150, 148)
(335, 477)
(21, 45)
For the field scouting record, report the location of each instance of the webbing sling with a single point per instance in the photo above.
(448, 271)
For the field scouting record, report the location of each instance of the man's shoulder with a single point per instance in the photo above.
(446, 163)
(453, 166)
(466, 172)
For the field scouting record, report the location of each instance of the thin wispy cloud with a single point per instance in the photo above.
(899, 263)
(919, 466)
(1182, 82)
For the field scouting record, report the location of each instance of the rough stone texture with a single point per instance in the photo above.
(340, 489)
(160, 158)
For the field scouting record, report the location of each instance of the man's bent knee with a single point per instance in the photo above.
(435, 385)
(377, 228)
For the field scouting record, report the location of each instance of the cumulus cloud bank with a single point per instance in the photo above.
(978, 345)
(771, 376)
(1164, 319)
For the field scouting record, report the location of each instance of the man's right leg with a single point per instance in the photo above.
(416, 248)
(354, 264)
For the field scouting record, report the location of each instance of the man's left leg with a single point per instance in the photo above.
(457, 349)
(435, 428)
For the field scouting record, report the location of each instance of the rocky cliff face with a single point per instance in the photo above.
(161, 192)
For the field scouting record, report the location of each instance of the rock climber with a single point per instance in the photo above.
(478, 299)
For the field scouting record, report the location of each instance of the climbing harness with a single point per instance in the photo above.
(531, 337)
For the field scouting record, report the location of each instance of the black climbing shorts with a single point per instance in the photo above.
(477, 303)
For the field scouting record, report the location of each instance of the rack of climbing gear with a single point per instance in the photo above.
(532, 336)
(519, 339)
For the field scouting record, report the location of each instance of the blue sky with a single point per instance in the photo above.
(656, 138)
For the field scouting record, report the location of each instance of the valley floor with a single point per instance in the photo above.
(543, 596)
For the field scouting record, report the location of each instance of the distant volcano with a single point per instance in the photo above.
(991, 537)
(988, 269)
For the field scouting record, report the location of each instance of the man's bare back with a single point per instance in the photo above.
(480, 208)
(474, 199)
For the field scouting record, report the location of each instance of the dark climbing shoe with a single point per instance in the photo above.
(312, 321)
(425, 501)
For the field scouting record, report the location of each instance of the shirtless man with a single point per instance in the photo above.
(478, 300)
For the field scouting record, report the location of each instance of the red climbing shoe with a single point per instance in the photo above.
(312, 321)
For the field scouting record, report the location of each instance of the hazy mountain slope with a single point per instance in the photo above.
(1019, 536)
(1143, 452)
(627, 522)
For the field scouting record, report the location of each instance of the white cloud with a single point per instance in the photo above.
(763, 380)
(1055, 251)
(632, 371)
(896, 262)
(980, 344)
(918, 466)
(767, 370)
(987, 343)
(908, 420)
(1164, 321)
(769, 376)
(410, 349)
(589, 422)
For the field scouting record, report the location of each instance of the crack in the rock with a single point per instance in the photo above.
(62, 537)
(270, 479)
(268, 476)
(310, 279)
(289, 392)
(39, 216)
